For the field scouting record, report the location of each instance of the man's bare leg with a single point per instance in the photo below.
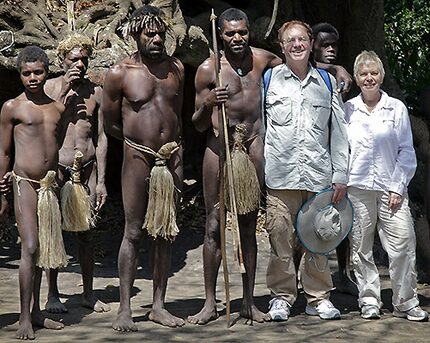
(248, 225)
(161, 268)
(86, 260)
(344, 285)
(249, 248)
(212, 243)
(26, 280)
(135, 172)
(29, 274)
(37, 318)
(127, 266)
(53, 303)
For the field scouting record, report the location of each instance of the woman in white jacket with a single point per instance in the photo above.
(382, 162)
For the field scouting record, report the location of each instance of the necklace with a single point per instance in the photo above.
(238, 70)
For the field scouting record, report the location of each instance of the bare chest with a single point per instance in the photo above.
(143, 88)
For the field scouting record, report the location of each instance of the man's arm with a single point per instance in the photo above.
(207, 96)
(338, 148)
(273, 60)
(111, 102)
(101, 152)
(181, 76)
(343, 78)
(59, 87)
(6, 144)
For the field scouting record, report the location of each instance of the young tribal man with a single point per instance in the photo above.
(30, 124)
(326, 39)
(242, 67)
(142, 102)
(325, 50)
(85, 134)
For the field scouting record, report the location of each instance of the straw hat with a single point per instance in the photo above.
(321, 225)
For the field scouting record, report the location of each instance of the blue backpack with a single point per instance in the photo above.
(324, 74)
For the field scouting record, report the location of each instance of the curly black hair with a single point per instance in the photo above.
(32, 53)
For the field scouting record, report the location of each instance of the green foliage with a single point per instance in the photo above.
(407, 34)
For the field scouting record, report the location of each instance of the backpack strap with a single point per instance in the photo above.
(326, 78)
(266, 80)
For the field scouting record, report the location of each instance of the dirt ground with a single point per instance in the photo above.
(185, 296)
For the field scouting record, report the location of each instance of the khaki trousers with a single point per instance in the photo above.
(396, 231)
(282, 208)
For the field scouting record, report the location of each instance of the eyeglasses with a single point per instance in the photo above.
(291, 40)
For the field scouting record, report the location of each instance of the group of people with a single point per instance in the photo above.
(298, 145)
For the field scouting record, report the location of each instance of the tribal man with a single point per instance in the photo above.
(142, 102)
(85, 135)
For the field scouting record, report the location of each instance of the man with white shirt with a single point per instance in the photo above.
(306, 151)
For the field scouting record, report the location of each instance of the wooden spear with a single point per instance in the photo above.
(223, 129)
(224, 155)
(221, 156)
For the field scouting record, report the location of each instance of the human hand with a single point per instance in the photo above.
(71, 75)
(394, 200)
(6, 183)
(217, 96)
(101, 195)
(339, 192)
(343, 79)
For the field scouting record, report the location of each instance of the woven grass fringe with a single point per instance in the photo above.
(246, 185)
(78, 214)
(51, 253)
(160, 219)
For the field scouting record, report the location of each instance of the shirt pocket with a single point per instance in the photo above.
(388, 124)
(279, 110)
(321, 109)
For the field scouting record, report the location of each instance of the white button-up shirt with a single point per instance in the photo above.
(382, 156)
(303, 149)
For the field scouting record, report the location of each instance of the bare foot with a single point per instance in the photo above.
(346, 286)
(206, 314)
(54, 305)
(94, 304)
(25, 330)
(163, 317)
(38, 319)
(124, 322)
(253, 313)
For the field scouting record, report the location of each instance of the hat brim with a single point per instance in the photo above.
(305, 229)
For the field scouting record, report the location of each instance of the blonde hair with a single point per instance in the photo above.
(74, 40)
(366, 57)
(288, 24)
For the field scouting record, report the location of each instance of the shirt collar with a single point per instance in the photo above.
(312, 73)
(382, 104)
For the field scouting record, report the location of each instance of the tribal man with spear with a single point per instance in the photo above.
(241, 69)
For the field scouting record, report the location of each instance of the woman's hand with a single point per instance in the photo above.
(394, 200)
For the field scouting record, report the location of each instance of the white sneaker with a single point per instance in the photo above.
(416, 314)
(279, 309)
(370, 312)
(325, 310)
